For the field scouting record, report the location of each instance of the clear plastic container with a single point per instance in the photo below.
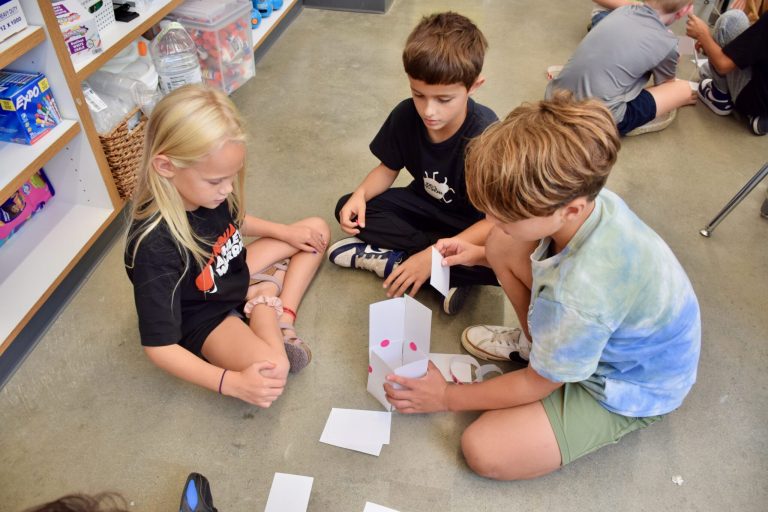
(107, 110)
(131, 91)
(175, 57)
(222, 32)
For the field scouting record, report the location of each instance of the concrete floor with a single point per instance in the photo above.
(88, 412)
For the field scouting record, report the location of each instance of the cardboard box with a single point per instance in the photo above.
(12, 18)
(27, 108)
(23, 204)
(78, 27)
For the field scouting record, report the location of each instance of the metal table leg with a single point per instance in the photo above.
(735, 200)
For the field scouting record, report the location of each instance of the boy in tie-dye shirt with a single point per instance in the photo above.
(612, 316)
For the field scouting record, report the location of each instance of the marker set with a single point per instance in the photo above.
(27, 107)
(47, 114)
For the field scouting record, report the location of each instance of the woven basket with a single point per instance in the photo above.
(123, 149)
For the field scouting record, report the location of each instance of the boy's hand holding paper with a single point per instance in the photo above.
(456, 251)
(441, 276)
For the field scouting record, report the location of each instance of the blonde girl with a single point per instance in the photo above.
(212, 310)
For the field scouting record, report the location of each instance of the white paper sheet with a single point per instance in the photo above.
(362, 431)
(418, 325)
(377, 374)
(289, 493)
(441, 276)
(372, 507)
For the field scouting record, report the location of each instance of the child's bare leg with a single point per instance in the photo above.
(261, 368)
(511, 262)
(512, 444)
(302, 269)
(235, 346)
(265, 251)
(671, 95)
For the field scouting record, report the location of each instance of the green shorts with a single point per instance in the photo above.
(582, 425)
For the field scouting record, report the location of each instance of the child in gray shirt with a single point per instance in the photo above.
(617, 57)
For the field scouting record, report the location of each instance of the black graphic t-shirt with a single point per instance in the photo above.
(437, 168)
(181, 307)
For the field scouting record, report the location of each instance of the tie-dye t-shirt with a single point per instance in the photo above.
(615, 311)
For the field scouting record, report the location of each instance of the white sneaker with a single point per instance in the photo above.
(354, 253)
(495, 342)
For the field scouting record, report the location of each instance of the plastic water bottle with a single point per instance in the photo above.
(175, 57)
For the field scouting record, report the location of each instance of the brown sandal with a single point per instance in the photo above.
(268, 274)
(297, 350)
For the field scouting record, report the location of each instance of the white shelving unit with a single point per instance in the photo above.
(36, 258)
(28, 159)
(119, 34)
(19, 43)
(266, 26)
(43, 252)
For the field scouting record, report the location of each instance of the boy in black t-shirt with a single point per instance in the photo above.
(738, 66)
(394, 228)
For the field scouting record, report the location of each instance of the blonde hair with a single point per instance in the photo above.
(540, 157)
(669, 6)
(444, 49)
(186, 126)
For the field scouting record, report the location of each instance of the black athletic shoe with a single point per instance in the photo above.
(759, 125)
(196, 496)
(764, 209)
(454, 301)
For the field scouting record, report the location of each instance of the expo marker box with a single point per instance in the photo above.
(27, 108)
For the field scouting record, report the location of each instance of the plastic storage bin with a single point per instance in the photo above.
(222, 33)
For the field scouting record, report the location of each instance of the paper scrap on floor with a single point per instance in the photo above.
(289, 493)
(441, 276)
(372, 507)
(454, 367)
(362, 431)
(459, 368)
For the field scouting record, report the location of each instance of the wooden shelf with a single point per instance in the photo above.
(35, 259)
(19, 44)
(27, 160)
(266, 26)
(117, 36)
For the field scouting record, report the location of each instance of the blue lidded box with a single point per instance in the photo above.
(27, 108)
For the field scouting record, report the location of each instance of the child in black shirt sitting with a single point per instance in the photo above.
(213, 310)
(393, 228)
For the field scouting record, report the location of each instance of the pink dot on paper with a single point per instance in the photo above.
(370, 369)
(413, 347)
(384, 343)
